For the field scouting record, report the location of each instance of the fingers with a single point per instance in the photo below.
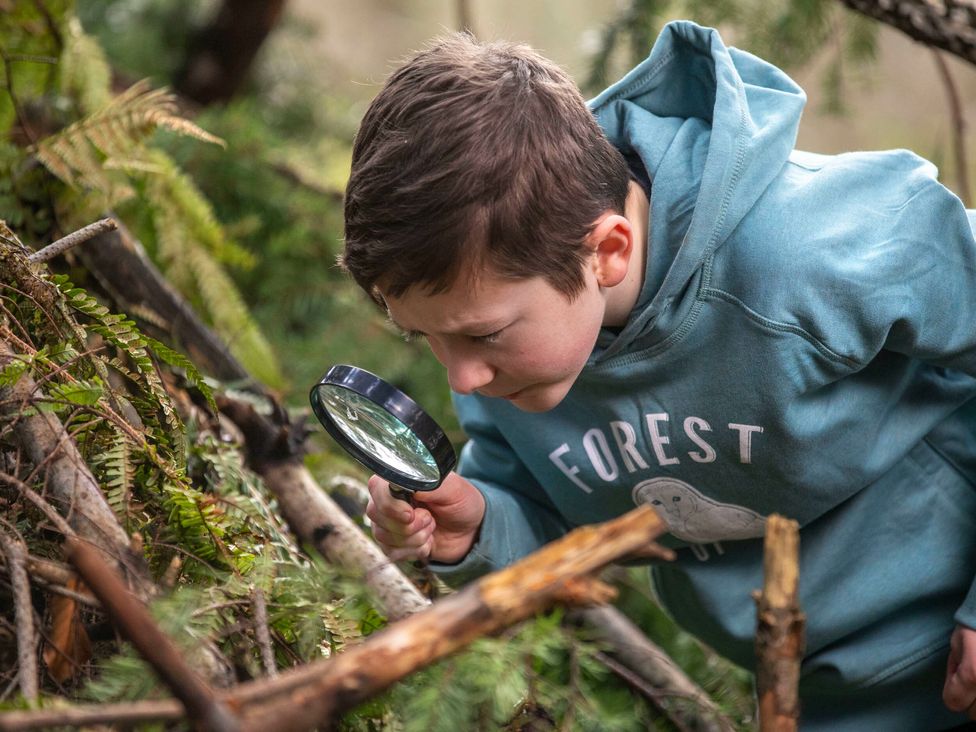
(959, 693)
(401, 530)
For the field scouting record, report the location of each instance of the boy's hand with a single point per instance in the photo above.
(443, 526)
(959, 693)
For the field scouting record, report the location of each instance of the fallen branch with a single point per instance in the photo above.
(137, 625)
(680, 698)
(780, 631)
(560, 572)
(261, 633)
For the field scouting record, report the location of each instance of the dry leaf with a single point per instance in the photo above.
(68, 647)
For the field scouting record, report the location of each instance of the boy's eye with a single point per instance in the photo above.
(412, 335)
(488, 338)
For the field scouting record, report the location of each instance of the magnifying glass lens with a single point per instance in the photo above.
(382, 428)
(379, 433)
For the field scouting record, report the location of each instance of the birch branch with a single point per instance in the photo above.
(261, 632)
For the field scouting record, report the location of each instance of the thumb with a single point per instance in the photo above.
(959, 691)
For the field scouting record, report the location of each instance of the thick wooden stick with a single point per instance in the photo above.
(315, 694)
(136, 624)
(559, 572)
(780, 630)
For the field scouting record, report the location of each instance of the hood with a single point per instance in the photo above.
(712, 126)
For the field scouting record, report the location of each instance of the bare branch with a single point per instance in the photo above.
(653, 669)
(946, 24)
(16, 556)
(958, 123)
(780, 631)
(261, 632)
(72, 240)
(136, 624)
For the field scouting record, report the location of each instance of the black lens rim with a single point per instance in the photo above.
(372, 387)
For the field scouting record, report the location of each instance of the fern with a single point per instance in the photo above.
(174, 358)
(116, 132)
(124, 335)
(119, 472)
(85, 72)
(191, 245)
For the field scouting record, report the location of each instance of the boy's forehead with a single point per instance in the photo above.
(467, 306)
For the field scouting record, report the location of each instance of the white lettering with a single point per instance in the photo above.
(745, 440)
(598, 451)
(626, 440)
(658, 441)
(708, 454)
(570, 471)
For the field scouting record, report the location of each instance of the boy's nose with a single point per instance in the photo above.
(466, 375)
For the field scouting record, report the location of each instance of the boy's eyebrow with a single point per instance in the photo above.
(488, 326)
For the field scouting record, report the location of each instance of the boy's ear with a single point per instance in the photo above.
(612, 244)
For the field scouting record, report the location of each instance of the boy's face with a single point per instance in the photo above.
(520, 340)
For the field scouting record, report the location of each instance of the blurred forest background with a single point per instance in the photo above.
(241, 209)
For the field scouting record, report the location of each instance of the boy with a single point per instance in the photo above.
(655, 299)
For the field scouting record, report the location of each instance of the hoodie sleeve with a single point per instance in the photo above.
(519, 517)
(915, 282)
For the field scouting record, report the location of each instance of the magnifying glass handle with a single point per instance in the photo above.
(402, 494)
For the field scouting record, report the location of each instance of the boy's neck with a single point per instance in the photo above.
(622, 297)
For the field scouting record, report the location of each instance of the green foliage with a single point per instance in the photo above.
(541, 665)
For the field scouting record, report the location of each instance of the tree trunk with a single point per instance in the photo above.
(222, 53)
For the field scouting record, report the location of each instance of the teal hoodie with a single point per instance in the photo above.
(804, 344)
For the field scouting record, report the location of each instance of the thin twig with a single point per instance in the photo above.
(72, 240)
(123, 715)
(261, 631)
(16, 554)
(46, 508)
(958, 127)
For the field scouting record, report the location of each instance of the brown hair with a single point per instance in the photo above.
(477, 154)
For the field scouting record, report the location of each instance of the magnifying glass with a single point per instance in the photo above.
(383, 429)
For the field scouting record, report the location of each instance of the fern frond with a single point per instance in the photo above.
(124, 335)
(174, 358)
(85, 72)
(230, 315)
(119, 477)
(77, 154)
